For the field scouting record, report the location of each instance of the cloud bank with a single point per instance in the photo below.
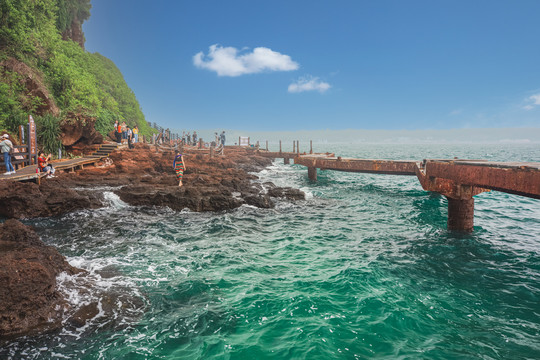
(229, 61)
(308, 83)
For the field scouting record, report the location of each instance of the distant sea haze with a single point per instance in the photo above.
(450, 136)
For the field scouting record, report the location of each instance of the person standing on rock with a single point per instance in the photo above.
(118, 133)
(179, 167)
(222, 137)
(124, 132)
(136, 134)
(7, 147)
(130, 138)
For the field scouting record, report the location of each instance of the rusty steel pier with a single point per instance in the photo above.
(458, 180)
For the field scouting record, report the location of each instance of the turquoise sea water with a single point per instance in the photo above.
(364, 268)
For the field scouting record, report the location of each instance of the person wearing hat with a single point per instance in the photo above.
(7, 146)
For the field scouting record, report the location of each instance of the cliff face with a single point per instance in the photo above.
(74, 32)
(44, 68)
(32, 82)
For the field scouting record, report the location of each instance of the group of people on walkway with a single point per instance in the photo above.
(219, 139)
(7, 148)
(126, 135)
(190, 139)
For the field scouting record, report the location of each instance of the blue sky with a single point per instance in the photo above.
(315, 65)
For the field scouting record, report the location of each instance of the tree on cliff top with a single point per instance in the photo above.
(31, 32)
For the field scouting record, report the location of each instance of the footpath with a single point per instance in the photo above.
(31, 172)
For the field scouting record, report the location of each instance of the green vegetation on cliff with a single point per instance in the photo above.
(44, 68)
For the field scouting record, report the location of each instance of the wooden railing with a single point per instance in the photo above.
(21, 156)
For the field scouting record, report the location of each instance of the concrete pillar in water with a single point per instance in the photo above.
(312, 173)
(461, 214)
(286, 161)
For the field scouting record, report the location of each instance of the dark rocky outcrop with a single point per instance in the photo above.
(79, 129)
(29, 301)
(287, 193)
(29, 200)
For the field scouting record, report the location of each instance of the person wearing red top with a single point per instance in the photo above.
(44, 166)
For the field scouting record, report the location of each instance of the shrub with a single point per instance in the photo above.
(48, 129)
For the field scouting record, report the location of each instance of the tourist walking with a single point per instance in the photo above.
(124, 132)
(179, 167)
(136, 134)
(222, 138)
(7, 147)
(119, 133)
(130, 138)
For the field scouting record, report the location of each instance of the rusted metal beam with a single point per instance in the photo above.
(515, 178)
(389, 167)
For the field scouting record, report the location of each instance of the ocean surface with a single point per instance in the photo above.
(363, 268)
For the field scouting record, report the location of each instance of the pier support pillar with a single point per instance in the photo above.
(286, 161)
(461, 214)
(312, 173)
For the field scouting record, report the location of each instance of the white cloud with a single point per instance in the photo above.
(533, 100)
(309, 83)
(229, 61)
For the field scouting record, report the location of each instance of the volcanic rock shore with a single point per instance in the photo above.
(144, 176)
(29, 300)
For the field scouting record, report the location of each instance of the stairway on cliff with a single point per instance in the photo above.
(104, 150)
